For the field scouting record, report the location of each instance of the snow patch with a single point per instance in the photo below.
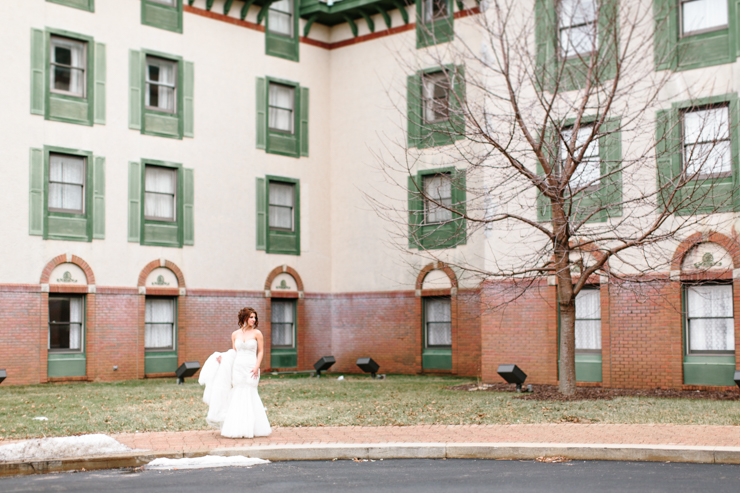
(205, 462)
(59, 447)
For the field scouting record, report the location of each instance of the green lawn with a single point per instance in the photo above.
(160, 405)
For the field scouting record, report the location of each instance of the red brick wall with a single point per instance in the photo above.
(113, 336)
(468, 352)
(19, 334)
(318, 324)
(521, 332)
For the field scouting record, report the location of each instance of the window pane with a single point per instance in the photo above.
(281, 108)
(280, 19)
(578, 40)
(159, 200)
(699, 15)
(589, 170)
(159, 323)
(161, 77)
(160, 179)
(588, 319)
(68, 66)
(706, 135)
(576, 12)
(159, 206)
(281, 96)
(281, 318)
(710, 301)
(281, 194)
(66, 182)
(435, 92)
(707, 125)
(434, 9)
(65, 323)
(438, 188)
(438, 321)
(712, 334)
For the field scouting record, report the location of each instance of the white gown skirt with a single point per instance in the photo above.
(231, 393)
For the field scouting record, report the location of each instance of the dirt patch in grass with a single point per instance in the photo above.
(551, 393)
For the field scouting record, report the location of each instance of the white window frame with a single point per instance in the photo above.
(149, 83)
(564, 25)
(83, 187)
(597, 292)
(688, 319)
(427, 302)
(172, 347)
(291, 109)
(53, 63)
(430, 207)
(681, 26)
(270, 205)
(81, 323)
(175, 171)
(686, 153)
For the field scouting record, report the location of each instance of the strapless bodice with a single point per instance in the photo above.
(248, 345)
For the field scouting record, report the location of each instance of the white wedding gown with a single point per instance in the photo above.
(231, 393)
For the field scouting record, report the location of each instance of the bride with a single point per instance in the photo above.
(231, 380)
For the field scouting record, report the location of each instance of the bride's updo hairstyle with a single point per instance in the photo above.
(244, 315)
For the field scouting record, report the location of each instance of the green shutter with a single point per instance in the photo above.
(545, 41)
(36, 193)
(261, 102)
(413, 104)
(457, 118)
(188, 97)
(416, 211)
(304, 121)
(459, 199)
(88, 5)
(134, 202)
(38, 71)
(665, 36)
(100, 76)
(610, 150)
(134, 92)
(187, 206)
(261, 215)
(665, 151)
(161, 16)
(98, 216)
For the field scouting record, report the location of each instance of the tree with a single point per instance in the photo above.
(568, 137)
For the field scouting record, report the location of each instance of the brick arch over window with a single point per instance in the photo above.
(67, 259)
(155, 264)
(731, 246)
(436, 266)
(280, 269)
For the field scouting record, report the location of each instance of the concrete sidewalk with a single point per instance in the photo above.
(675, 443)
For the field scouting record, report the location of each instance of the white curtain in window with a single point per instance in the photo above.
(281, 318)
(159, 327)
(578, 28)
(281, 107)
(711, 322)
(589, 169)
(698, 15)
(68, 73)
(707, 141)
(160, 184)
(281, 205)
(439, 322)
(588, 319)
(435, 89)
(66, 182)
(439, 189)
(280, 19)
(75, 325)
(161, 77)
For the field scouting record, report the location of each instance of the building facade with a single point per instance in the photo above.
(172, 161)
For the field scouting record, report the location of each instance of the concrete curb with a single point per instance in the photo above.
(576, 451)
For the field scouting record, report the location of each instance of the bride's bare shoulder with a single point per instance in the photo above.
(233, 334)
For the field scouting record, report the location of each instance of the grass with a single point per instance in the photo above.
(160, 405)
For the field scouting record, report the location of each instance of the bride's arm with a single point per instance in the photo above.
(260, 353)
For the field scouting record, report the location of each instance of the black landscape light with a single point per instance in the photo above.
(737, 377)
(368, 366)
(3, 375)
(323, 364)
(186, 370)
(512, 374)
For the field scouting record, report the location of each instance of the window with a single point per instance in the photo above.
(698, 16)
(578, 27)
(282, 117)
(68, 66)
(710, 324)
(438, 192)
(280, 17)
(432, 226)
(435, 97)
(161, 94)
(434, 22)
(706, 142)
(66, 183)
(589, 169)
(282, 100)
(438, 320)
(278, 215)
(162, 14)
(588, 320)
(88, 5)
(159, 328)
(66, 314)
(282, 323)
(161, 84)
(161, 199)
(160, 192)
(281, 197)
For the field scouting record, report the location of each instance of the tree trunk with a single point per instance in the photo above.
(567, 364)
